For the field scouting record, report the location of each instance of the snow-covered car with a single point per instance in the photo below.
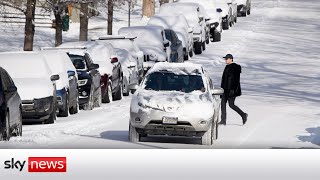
(110, 69)
(175, 99)
(180, 25)
(128, 43)
(226, 13)
(196, 20)
(152, 41)
(212, 17)
(244, 7)
(233, 4)
(10, 107)
(35, 83)
(130, 71)
(175, 45)
(67, 86)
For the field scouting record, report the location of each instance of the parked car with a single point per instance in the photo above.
(226, 13)
(10, 107)
(165, 98)
(35, 83)
(213, 18)
(89, 78)
(130, 71)
(244, 7)
(152, 41)
(233, 4)
(179, 24)
(67, 86)
(110, 68)
(195, 19)
(128, 43)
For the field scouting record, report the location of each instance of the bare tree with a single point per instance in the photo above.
(29, 26)
(84, 21)
(148, 8)
(110, 16)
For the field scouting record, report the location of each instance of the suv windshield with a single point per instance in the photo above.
(164, 81)
(78, 62)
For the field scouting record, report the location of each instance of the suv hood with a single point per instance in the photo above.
(196, 102)
(34, 88)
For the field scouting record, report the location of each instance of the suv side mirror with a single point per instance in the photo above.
(190, 30)
(11, 89)
(201, 18)
(166, 43)
(218, 91)
(93, 66)
(207, 19)
(71, 73)
(55, 77)
(219, 10)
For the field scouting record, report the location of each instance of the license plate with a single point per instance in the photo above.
(169, 120)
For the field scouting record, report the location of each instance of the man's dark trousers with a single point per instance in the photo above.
(231, 100)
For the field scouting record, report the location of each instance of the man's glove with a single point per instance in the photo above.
(231, 93)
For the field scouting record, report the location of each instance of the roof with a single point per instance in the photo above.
(177, 68)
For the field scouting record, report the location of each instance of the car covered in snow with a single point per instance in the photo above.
(195, 19)
(10, 107)
(244, 7)
(152, 41)
(212, 17)
(233, 4)
(110, 69)
(179, 24)
(35, 83)
(130, 71)
(67, 86)
(175, 99)
(128, 43)
(226, 13)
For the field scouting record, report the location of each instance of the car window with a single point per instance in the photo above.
(160, 81)
(168, 35)
(6, 80)
(88, 59)
(175, 37)
(79, 62)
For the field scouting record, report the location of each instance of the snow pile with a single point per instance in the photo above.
(177, 68)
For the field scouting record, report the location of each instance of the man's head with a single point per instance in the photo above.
(228, 58)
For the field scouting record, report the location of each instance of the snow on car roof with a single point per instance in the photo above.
(146, 35)
(177, 68)
(25, 64)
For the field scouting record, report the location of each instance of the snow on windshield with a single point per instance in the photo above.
(25, 65)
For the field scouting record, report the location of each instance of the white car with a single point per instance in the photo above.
(213, 18)
(67, 88)
(128, 43)
(180, 25)
(35, 82)
(130, 71)
(195, 19)
(152, 41)
(226, 13)
(244, 7)
(176, 99)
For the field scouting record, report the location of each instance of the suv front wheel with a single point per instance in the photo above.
(134, 136)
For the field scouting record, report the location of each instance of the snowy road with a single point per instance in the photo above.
(278, 49)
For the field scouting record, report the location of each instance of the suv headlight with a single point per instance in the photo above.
(82, 82)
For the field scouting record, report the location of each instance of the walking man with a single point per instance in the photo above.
(231, 84)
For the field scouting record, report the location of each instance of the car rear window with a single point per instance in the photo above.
(78, 62)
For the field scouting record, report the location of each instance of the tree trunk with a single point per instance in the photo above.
(84, 22)
(29, 26)
(58, 19)
(110, 16)
(148, 8)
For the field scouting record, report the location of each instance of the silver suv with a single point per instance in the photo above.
(176, 100)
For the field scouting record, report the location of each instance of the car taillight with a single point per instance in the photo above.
(114, 60)
(104, 79)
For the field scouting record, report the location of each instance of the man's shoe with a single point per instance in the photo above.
(222, 123)
(244, 118)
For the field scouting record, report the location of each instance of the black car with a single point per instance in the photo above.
(244, 9)
(177, 54)
(89, 81)
(10, 107)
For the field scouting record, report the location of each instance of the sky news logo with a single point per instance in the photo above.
(38, 164)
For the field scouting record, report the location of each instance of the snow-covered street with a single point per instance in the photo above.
(278, 49)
